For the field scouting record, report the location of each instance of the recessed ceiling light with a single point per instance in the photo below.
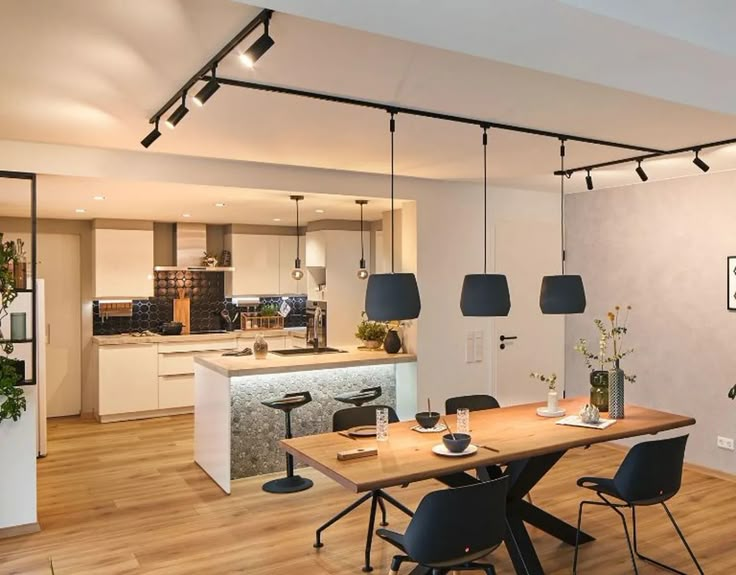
(186, 215)
(277, 219)
(319, 211)
(98, 198)
(219, 205)
(80, 210)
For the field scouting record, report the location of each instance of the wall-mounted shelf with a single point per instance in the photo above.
(24, 290)
(14, 341)
(25, 382)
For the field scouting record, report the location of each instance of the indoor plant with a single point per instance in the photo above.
(12, 399)
(551, 381)
(372, 333)
(616, 376)
(597, 364)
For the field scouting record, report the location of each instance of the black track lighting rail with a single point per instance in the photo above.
(631, 159)
(263, 17)
(390, 108)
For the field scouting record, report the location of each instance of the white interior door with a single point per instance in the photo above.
(525, 252)
(59, 265)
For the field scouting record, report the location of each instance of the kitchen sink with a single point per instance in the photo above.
(307, 351)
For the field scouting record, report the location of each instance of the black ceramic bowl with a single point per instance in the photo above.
(427, 419)
(458, 444)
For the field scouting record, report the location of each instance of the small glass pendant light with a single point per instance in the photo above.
(392, 296)
(485, 295)
(562, 294)
(297, 273)
(362, 270)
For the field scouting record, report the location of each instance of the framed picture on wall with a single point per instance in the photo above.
(731, 282)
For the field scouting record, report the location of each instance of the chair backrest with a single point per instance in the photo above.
(454, 526)
(355, 416)
(651, 472)
(472, 402)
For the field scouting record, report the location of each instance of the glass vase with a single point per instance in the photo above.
(616, 392)
(599, 390)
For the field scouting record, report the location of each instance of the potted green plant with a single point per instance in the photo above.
(371, 333)
(551, 382)
(12, 399)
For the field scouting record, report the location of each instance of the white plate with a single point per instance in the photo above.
(440, 427)
(363, 431)
(440, 449)
(542, 411)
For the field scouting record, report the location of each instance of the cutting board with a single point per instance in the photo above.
(181, 312)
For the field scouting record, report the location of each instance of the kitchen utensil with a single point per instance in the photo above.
(182, 310)
(285, 309)
(171, 328)
(457, 442)
(448, 428)
(491, 449)
(427, 419)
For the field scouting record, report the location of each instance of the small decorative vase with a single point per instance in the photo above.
(616, 392)
(371, 344)
(260, 347)
(599, 390)
(552, 405)
(19, 274)
(392, 342)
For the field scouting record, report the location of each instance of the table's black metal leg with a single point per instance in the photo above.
(369, 538)
(520, 546)
(550, 524)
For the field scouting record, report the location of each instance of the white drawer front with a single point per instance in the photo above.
(175, 363)
(175, 391)
(188, 346)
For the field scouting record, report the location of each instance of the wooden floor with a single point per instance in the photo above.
(127, 498)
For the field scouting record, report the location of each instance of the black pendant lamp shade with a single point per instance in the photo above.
(485, 295)
(392, 297)
(562, 294)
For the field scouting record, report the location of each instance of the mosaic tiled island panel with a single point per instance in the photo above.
(257, 429)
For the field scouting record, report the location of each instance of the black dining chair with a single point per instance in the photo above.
(453, 528)
(650, 474)
(345, 419)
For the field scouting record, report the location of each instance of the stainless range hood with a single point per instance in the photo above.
(191, 244)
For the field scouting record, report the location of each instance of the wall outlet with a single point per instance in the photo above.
(725, 443)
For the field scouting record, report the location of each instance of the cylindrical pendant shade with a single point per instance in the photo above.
(562, 294)
(392, 297)
(485, 295)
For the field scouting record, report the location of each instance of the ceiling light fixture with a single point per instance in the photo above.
(362, 270)
(207, 90)
(561, 294)
(640, 171)
(297, 273)
(485, 295)
(219, 205)
(700, 163)
(589, 181)
(258, 48)
(186, 215)
(152, 136)
(277, 219)
(80, 210)
(178, 114)
(392, 296)
(98, 198)
(319, 211)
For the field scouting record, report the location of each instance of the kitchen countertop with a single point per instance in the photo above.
(249, 365)
(126, 339)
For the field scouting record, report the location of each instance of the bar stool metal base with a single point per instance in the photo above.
(288, 484)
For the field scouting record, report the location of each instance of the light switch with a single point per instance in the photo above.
(470, 348)
(478, 353)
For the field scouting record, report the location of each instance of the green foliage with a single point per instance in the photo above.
(371, 330)
(269, 310)
(14, 402)
(12, 399)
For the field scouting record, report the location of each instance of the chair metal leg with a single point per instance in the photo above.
(628, 539)
(318, 535)
(369, 537)
(682, 538)
(384, 519)
(396, 564)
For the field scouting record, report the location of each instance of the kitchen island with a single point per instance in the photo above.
(236, 436)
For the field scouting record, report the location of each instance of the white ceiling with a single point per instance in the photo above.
(92, 72)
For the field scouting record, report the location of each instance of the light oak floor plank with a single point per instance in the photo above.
(126, 498)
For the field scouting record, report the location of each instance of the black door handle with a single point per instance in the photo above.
(506, 337)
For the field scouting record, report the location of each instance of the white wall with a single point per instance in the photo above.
(662, 247)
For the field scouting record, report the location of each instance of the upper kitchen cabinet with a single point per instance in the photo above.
(316, 249)
(123, 260)
(256, 262)
(287, 255)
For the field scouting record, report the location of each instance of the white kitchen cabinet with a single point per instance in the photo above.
(128, 378)
(175, 391)
(287, 255)
(123, 261)
(256, 262)
(316, 249)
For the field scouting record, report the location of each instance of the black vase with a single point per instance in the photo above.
(392, 342)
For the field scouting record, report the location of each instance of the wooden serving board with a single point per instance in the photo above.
(182, 307)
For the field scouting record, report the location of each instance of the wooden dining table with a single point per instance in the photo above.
(514, 436)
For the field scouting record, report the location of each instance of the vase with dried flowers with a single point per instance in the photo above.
(552, 397)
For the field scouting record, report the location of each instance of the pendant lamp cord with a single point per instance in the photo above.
(392, 126)
(562, 202)
(362, 253)
(485, 200)
(297, 228)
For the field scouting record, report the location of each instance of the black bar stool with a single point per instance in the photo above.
(358, 398)
(291, 483)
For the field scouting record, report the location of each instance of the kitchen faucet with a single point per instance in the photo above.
(315, 328)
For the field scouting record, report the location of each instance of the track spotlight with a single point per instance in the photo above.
(642, 174)
(151, 137)
(700, 163)
(589, 181)
(206, 92)
(178, 114)
(258, 49)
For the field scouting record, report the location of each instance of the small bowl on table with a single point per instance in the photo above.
(427, 419)
(456, 443)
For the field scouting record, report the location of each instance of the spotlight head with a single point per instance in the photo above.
(589, 181)
(206, 92)
(151, 137)
(642, 174)
(177, 115)
(258, 49)
(700, 163)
